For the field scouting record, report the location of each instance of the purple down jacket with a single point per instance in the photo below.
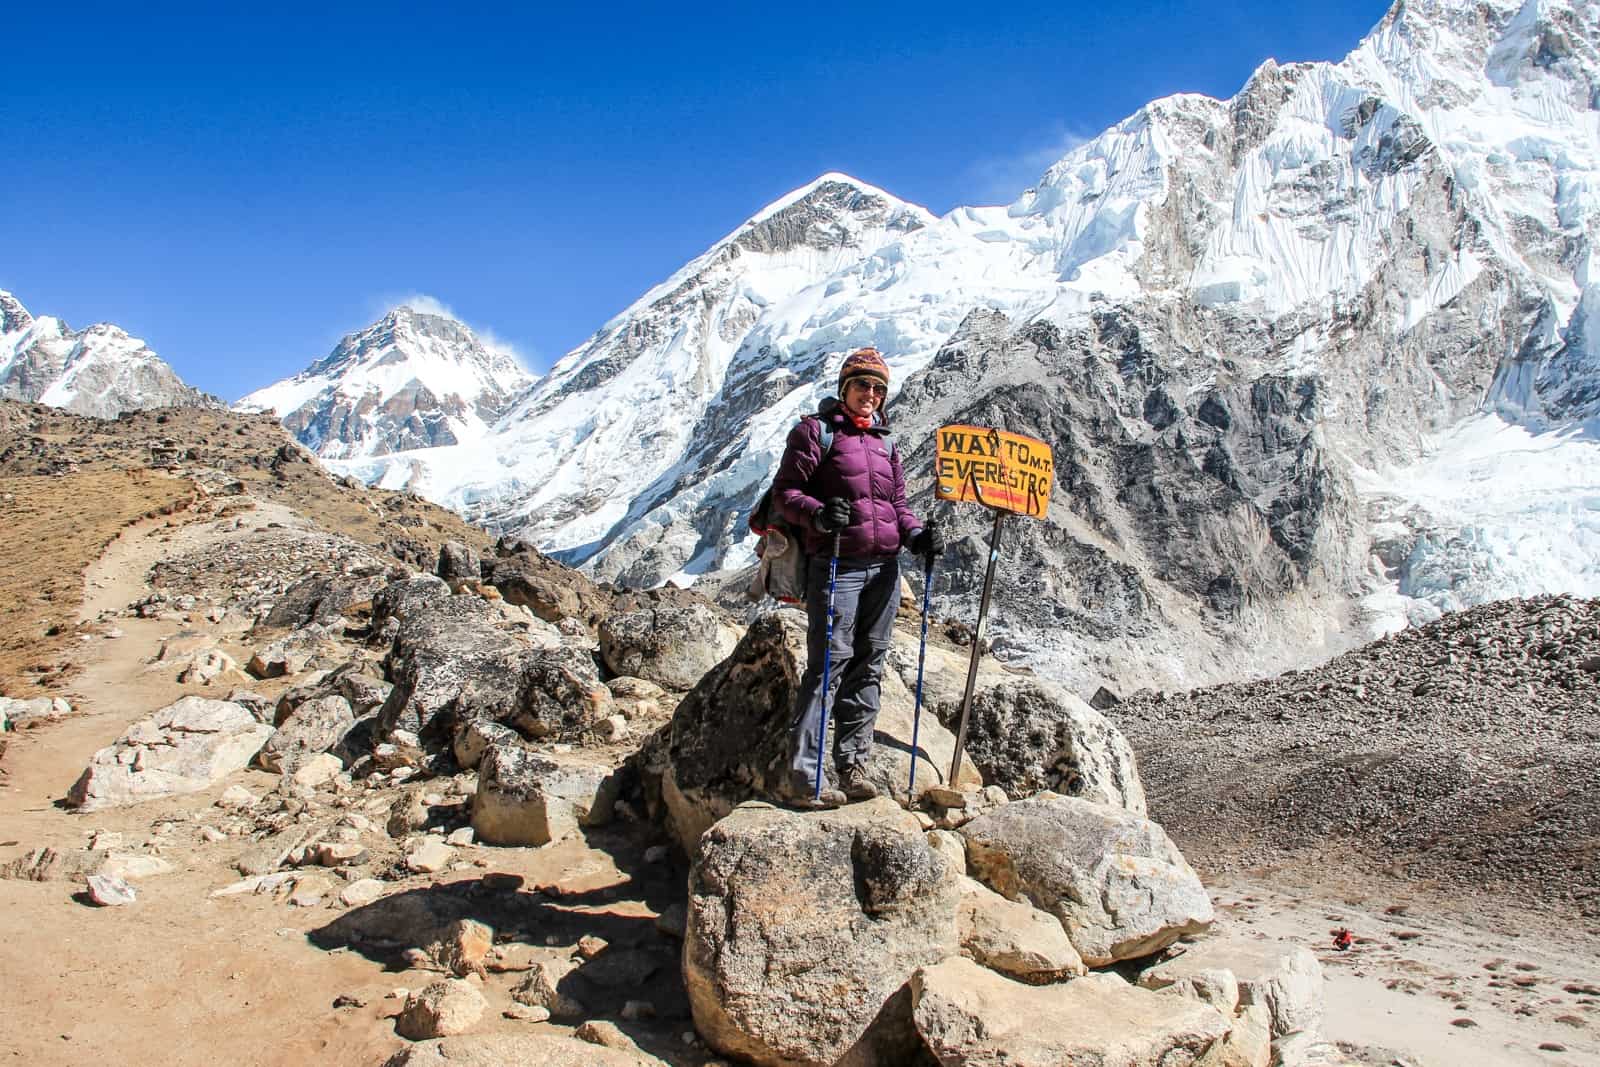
(863, 468)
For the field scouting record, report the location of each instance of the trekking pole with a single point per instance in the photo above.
(922, 655)
(977, 645)
(827, 664)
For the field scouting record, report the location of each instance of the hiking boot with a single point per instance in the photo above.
(799, 790)
(855, 783)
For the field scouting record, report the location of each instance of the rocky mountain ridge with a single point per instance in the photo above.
(98, 371)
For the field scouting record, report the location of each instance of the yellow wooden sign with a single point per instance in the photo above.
(995, 468)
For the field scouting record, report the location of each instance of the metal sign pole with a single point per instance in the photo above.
(977, 645)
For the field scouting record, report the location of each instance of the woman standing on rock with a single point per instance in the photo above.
(844, 486)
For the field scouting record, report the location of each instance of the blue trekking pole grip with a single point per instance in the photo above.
(827, 665)
(922, 655)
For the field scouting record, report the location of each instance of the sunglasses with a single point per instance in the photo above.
(875, 387)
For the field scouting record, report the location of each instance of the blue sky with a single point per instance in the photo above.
(241, 190)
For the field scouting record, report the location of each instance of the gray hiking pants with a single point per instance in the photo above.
(864, 601)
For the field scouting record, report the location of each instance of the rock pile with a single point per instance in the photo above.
(803, 929)
(281, 577)
(1465, 749)
(973, 928)
(853, 937)
(418, 723)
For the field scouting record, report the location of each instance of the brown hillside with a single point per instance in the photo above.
(55, 527)
(69, 484)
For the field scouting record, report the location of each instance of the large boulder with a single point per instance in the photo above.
(728, 738)
(972, 1017)
(803, 929)
(1284, 979)
(525, 576)
(1026, 735)
(671, 645)
(444, 646)
(398, 600)
(532, 798)
(560, 692)
(312, 728)
(452, 662)
(183, 748)
(1116, 881)
(1013, 937)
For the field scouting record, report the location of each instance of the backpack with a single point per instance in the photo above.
(781, 574)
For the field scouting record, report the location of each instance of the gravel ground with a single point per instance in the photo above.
(1466, 752)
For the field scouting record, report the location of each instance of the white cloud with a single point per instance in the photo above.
(424, 304)
(1000, 179)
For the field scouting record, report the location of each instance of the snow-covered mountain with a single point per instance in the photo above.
(568, 463)
(98, 371)
(1281, 343)
(413, 379)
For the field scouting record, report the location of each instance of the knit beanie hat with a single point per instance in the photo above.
(864, 363)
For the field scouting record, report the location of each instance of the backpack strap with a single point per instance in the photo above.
(824, 434)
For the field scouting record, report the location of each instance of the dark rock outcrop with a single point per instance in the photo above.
(728, 738)
(526, 576)
(453, 662)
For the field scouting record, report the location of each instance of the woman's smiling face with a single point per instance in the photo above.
(863, 396)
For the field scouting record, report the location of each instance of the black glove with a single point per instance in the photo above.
(834, 516)
(928, 541)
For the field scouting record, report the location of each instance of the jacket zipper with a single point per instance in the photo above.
(872, 498)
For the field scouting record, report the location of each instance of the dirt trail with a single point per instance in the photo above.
(117, 578)
(177, 977)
